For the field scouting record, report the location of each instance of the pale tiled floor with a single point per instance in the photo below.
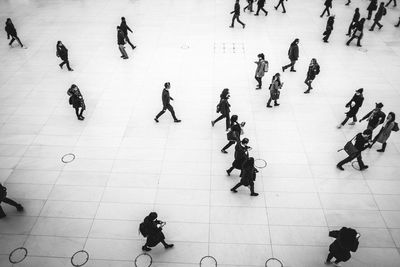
(126, 165)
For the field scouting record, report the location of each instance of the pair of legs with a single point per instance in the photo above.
(79, 113)
(65, 61)
(352, 38)
(330, 257)
(129, 42)
(123, 52)
(308, 82)
(227, 120)
(261, 8)
(146, 247)
(369, 14)
(252, 193)
(223, 150)
(383, 144)
(281, 4)
(346, 119)
(351, 26)
(291, 65)
(249, 6)
(13, 38)
(236, 17)
(12, 203)
(171, 109)
(326, 10)
(376, 22)
(327, 34)
(350, 158)
(394, 3)
(259, 81)
(269, 102)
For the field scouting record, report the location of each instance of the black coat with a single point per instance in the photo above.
(236, 10)
(261, 3)
(380, 13)
(241, 155)
(346, 241)
(358, 100)
(329, 24)
(121, 37)
(328, 3)
(124, 28)
(10, 29)
(248, 175)
(155, 234)
(235, 132)
(62, 52)
(313, 70)
(76, 99)
(361, 143)
(378, 117)
(224, 106)
(165, 97)
(356, 17)
(373, 5)
(293, 52)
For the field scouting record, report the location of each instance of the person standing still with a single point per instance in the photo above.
(262, 68)
(5, 199)
(327, 4)
(125, 28)
(281, 3)
(354, 104)
(293, 54)
(62, 52)
(260, 6)
(236, 15)
(121, 43)
(223, 107)
(329, 28)
(378, 16)
(354, 21)
(313, 71)
(12, 32)
(166, 99)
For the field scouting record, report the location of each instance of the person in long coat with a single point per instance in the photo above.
(362, 142)
(234, 133)
(354, 104)
(241, 155)
(293, 54)
(313, 71)
(329, 28)
(387, 128)
(274, 92)
(154, 232)
(5, 199)
(62, 52)
(223, 107)
(76, 100)
(358, 32)
(354, 21)
(378, 16)
(262, 68)
(346, 240)
(248, 176)
(12, 32)
(373, 5)
(375, 116)
(328, 5)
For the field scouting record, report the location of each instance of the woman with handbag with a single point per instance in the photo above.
(76, 100)
(387, 128)
(234, 133)
(274, 88)
(363, 141)
(358, 32)
(223, 107)
(248, 176)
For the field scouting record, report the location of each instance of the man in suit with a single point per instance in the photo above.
(125, 28)
(260, 6)
(5, 199)
(121, 42)
(328, 4)
(236, 15)
(166, 103)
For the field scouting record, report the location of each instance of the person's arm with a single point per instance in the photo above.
(366, 116)
(129, 29)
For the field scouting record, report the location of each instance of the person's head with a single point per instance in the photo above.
(118, 27)
(153, 215)
(277, 76)
(367, 132)
(237, 1)
(261, 56)
(359, 91)
(59, 43)
(313, 61)
(362, 21)
(357, 10)
(225, 93)
(234, 118)
(296, 41)
(382, 3)
(74, 87)
(123, 18)
(167, 85)
(378, 106)
(8, 20)
(245, 141)
(391, 117)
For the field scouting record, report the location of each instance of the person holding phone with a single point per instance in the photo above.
(152, 229)
(354, 104)
(346, 241)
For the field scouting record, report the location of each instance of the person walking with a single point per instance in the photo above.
(394, 3)
(354, 104)
(249, 6)
(151, 228)
(5, 199)
(313, 71)
(373, 5)
(293, 54)
(329, 28)
(248, 176)
(358, 32)
(362, 141)
(354, 21)
(378, 16)
(223, 107)
(62, 52)
(241, 155)
(281, 3)
(260, 6)
(236, 15)
(375, 117)
(234, 133)
(274, 88)
(166, 99)
(327, 4)
(121, 42)
(76, 100)
(125, 28)
(262, 68)
(387, 128)
(12, 32)
(346, 240)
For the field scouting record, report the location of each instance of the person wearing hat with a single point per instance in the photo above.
(387, 128)
(293, 54)
(248, 176)
(313, 71)
(241, 155)
(375, 117)
(262, 68)
(234, 133)
(363, 141)
(152, 229)
(354, 104)
(5, 199)
(166, 99)
(223, 107)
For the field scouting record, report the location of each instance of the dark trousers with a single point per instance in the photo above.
(79, 113)
(348, 2)
(9, 202)
(281, 3)
(128, 41)
(259, 80)
(327, 33)
(350, 28)
(261, 8)
(308, 82)
(351, 157)
(228, 145)
(227, 120)
(352, 38)
(240, 184)
(170, 108)
(394, 4)
(291, 65)
(326, 10)
(347, 118)
(65, 61)
(330, 257)
(376, 22)
(249, 6)
(13, 38)
(269, 101)
(236, 17)
(369, 14)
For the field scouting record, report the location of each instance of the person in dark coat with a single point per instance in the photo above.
(313, 71)
(327, 4)
(394, 3)
(375, 117)
(281, 3)
(387, 128)
(346, 240)
(76, 100)
(5, 199)
(354, 21)
(121, 43)
(12, 32)
(234, 133)
(166, 99)
(262, 68)
(62, 52)
(241, 155)
(223, 107)
(153, 228)
(125, 28)
(249, 6)
(358, 32)
(354, 104)
(363, 141)
(248, 176)
(378, 16)
(236, 15)
(274, 88)
(260, 6)
(373, 5)
(329, 28)
(293, 54)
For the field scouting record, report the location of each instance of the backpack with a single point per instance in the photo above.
(266, 66)
(143, 229)
(218, 108)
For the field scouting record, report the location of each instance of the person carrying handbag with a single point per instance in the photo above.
(274, 88)
(223, 107)
(234, 133)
